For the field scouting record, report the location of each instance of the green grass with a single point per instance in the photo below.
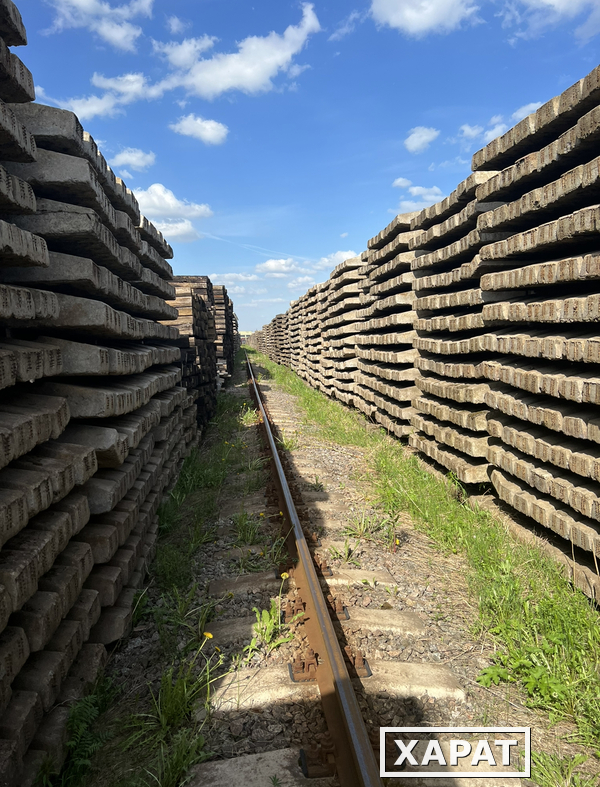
(550, 770)
(547, 632)
(84, 740)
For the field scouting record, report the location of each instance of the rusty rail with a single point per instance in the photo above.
(340, 706)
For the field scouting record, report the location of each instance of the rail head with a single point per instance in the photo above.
(342, 711)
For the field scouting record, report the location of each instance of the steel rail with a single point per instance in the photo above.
(340, 706)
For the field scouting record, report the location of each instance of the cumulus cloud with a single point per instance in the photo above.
(183, 54)
(256, 63)
(533, 17)
(330, 262)
(420, 17)
(420, 138)
(525, 110)
(251, 70)
(159, 202)
(182, 230)
(277, 269)
(402, 183)
(347, 26)
(470, 132)
(302, 282)
(211, 132)
(423, 196)
(494, 131)
(109, 23)
(172, 216)
(133, 157)
(176, 26)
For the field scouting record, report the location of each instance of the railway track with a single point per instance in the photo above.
(361, 636)
(344, 607)
(340, 705)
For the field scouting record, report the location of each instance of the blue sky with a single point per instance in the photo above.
(270, 139)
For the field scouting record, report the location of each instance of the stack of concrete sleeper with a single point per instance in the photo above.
(385, 388)
(506, 287)
(450, 425)
(91, 413)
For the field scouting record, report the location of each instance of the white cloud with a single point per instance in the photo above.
(134, 158)
(181, 230)
(229, 278)
(251, 69)
(176, 26)
(110, 23)
(125, 173)
(419, 17)
(343, 235)
(401, 183)
(277, 269)
(295, 70)
(535, 16)
(258, 60)
(185, 53)
(494, 131)
(424, 196)
(303, 282)
(470, 132)
(171, 215)
(330, 262)
(525, 110)
(420, 138)
(347, 26)
(211, 132)
(92, 106)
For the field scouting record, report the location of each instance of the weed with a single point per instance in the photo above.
(550, 770)
(249, 416)
(247, 529)
(254, 482)
(83, 739)
(201, 534)
(316, 485)
(268, 629)
(140, 605)
(176, 758)
(275, 781)
(365, 526)
(256, 464)
(344, 556)
(288, 442)
(178, 695)
(170, 570)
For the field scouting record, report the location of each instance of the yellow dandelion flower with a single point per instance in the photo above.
(207, 634)
(217, 648)
(285, 575)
